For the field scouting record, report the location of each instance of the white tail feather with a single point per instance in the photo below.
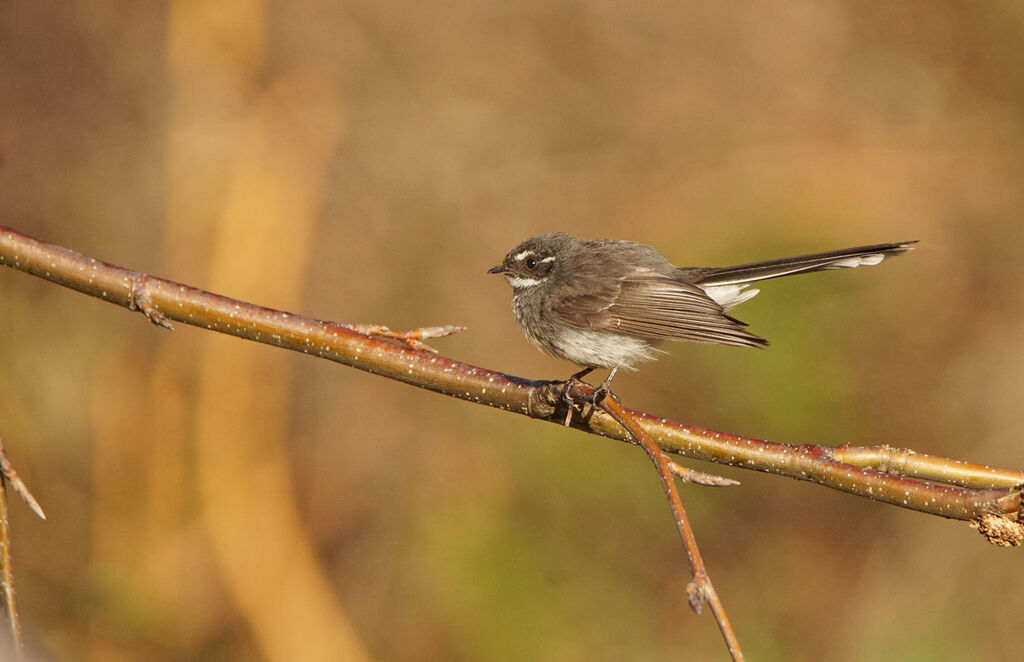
(728, 296)
(862, 261)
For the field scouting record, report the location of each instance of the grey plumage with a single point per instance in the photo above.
(607, 303)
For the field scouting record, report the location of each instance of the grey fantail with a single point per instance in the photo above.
(604, 303)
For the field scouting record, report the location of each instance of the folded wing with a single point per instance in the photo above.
(657, 308)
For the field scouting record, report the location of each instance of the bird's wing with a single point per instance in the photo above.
(653, 306)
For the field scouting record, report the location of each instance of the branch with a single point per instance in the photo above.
(700, 590)
(928, 484)
(8, 476)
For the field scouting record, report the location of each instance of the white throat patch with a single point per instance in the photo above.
(517, 282)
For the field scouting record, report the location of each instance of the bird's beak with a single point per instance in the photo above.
(500, 269)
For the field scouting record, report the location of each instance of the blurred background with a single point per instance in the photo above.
(212, 499)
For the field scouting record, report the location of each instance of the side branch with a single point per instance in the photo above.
(700, 590)
(932, 485)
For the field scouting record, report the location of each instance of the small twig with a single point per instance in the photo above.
(9, 477)
(411, 338)
(687, 475)
(699, 590)
(6, 568)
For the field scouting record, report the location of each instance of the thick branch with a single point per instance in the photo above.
(962, 491)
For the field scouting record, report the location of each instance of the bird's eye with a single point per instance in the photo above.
(531, 263)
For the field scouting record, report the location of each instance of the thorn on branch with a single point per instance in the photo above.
(138, 299)
(411, 338)
(700, 478)
(10, 477)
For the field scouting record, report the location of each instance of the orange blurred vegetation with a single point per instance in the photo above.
(211, 499)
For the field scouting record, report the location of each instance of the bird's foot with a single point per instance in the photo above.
(592, 400)
(570, 401)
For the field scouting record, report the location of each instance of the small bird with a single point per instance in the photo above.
(605, 303)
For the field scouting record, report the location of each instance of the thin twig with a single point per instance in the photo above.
(8, 476)
(687, 475)
(413, 338)
(17, 484)
(699, 590)
(6, 569)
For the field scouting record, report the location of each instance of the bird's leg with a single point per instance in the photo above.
(570, 405)
(581, 374)
(601, 392)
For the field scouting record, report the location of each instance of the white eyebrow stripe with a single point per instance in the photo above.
(520, 256)
(548, 259)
